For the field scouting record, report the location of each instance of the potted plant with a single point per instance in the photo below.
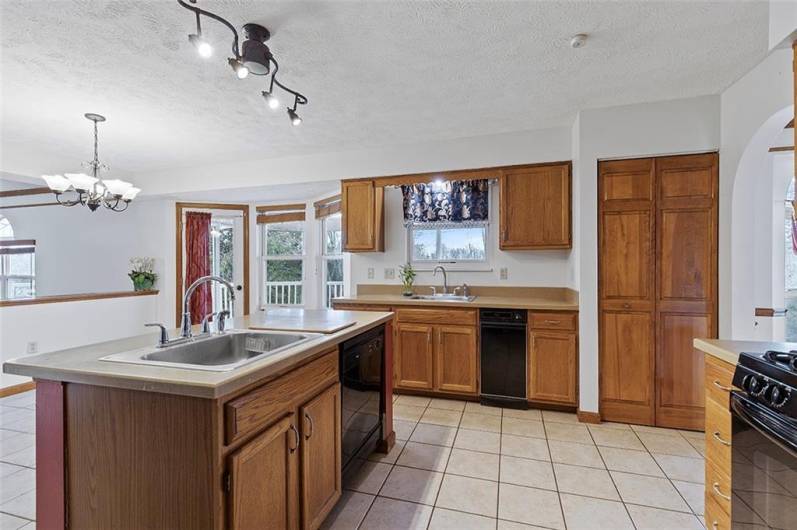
(407, 275)
(141, 273)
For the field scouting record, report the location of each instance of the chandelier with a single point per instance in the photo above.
(89, 190)
(253, 57)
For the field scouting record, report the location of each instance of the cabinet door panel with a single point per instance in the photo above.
(627, 367)
(414, 356)
(552, 366)
(535, 207)
(455, 359)
(627, 257)
(362, 207)
(263, 480)
(686, 239)
(321, 456)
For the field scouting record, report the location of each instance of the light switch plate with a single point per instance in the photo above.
(390, 273)
(370, 273)
(33, 347)
(504, 272)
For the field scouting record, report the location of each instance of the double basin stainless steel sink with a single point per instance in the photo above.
(216, 353)
(443, 297)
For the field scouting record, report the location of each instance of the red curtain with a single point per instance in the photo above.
(197, 262)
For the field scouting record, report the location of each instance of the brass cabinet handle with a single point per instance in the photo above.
(716, 487)
(296, 437)
(717, 437)
(312, 426)
(715, 525)
(626, 306)
(553, 322)
(721, 386)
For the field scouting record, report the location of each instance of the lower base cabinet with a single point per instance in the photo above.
(718, 376)
(553, 361)
(298, 457)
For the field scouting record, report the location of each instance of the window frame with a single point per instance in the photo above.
(265, 258)
(326, 257)
(483, 265)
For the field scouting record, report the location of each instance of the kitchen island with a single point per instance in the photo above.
(131, 445)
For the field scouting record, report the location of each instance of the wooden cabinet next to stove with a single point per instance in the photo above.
(717, 384)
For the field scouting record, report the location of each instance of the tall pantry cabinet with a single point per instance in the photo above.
(657, 270)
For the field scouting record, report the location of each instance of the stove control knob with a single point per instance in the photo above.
(779, 396)
(752, 384)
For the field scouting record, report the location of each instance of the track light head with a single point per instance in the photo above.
(204, 49)
(255, 55)
(238, 67)
(271, 100)
(295, 118)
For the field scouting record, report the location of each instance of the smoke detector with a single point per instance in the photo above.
(578, 41)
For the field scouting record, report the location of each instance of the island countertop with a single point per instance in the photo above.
(729, 350)
(83, 364)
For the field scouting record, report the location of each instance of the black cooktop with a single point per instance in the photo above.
(769, 378)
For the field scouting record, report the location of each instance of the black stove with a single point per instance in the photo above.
(769, 378)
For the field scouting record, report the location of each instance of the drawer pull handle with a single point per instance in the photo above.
(721, 386)
(553, 322)
(716, 487)
(717, 437)
(312, 426)
(295, 437)
(715, 525)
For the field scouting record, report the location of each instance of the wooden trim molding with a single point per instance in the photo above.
(781, 148)
(280, 218)
(588, 417)
(328, 206)
(770, 311)
(17, 389)
(179, 208)
(29, 205)
(295, 207)
(25, 191)
(75, 297)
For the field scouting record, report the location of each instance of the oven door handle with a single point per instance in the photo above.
(766, 422)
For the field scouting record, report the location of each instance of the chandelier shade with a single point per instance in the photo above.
(81, 181)
(57, 183)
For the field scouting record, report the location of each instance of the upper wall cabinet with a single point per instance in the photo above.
(535, 207)
(362, 204)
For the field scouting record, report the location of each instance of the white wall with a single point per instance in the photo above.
(651, 129)
(70, 324)
(754, 111)
(543, 268)
(782, 22)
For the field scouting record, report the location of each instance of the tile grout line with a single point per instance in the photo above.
(608, 472)
(437, 495)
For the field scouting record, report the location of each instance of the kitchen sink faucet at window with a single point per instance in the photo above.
(445, 278)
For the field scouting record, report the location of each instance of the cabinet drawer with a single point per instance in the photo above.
(718, 437)
(343, 306)
(716, 518)
(719, 375)
(437, 316)
(256, 409)
(718, 487)
(563, 321)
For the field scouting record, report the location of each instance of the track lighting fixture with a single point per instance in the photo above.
(271, 100)
(253, 57)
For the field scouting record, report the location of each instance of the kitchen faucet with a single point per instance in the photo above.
(445, 277)
(186, 323)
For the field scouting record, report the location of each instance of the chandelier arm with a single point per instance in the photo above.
(65, 203)
(299, 98)
(217, 18)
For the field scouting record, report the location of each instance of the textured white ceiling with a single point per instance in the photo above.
(376, 73)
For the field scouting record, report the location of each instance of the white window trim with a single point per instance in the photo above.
(265, 257)
(327, 257)
(5, 265)
(484, 265)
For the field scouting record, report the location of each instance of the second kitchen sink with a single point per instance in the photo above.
(218, 353)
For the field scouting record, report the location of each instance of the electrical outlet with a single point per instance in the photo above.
(370, 273)
(504, 272)
(390, 274)
(33, 347)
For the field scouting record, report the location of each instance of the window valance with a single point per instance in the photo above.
(453, 201)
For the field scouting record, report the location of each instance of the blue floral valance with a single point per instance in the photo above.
(450, 201)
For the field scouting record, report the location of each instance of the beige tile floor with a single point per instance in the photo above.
(18, 461)
(462, 466)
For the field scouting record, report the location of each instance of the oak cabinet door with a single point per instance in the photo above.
(553, 358)
(362, 206)
(263, 480)
(535, 207)
(414, 356)
(321, 456)
(455, 359)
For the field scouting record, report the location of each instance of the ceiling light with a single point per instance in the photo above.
(204, 49)
(253, 56)
(271, 100)
(90, 191)
(578, 41)
(295, 119)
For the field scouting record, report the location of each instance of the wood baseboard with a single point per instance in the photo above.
(17, 389)
(588, 417)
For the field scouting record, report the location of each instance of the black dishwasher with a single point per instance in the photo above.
(503, 357)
